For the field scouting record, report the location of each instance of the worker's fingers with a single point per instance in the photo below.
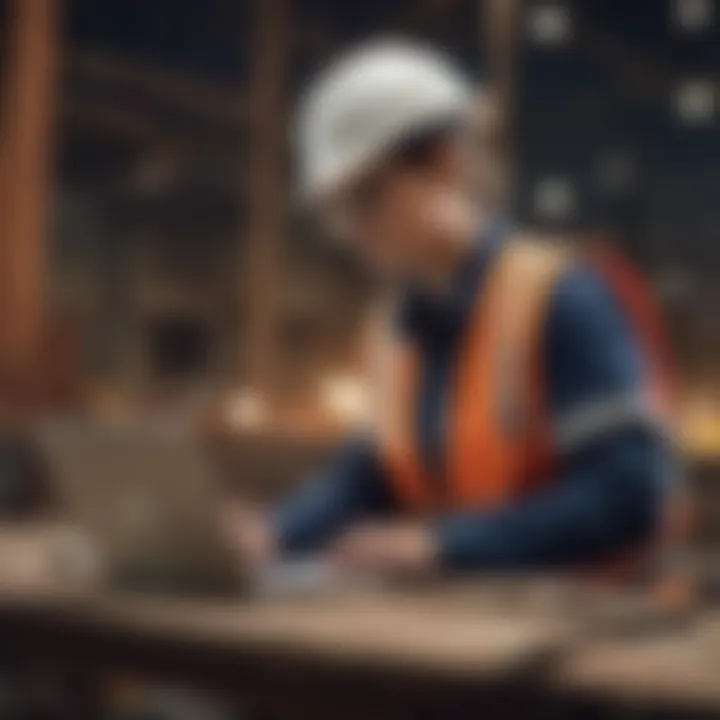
(402, 547)
(247, 532)
(362, 547)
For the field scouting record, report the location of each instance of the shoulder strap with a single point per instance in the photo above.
(522, 287)
(498, 416)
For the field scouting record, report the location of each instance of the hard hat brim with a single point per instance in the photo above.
(323, 186)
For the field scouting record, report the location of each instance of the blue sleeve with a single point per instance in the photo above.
(352, 486)
(611, 485)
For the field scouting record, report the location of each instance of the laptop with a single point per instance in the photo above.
(148, 498)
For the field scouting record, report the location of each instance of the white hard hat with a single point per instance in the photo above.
(370, 100)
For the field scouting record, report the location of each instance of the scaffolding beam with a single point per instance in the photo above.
(261, 285)
(500, 38)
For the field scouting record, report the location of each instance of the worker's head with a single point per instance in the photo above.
(386, 144)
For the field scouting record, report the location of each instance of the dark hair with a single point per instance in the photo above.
(420, 147)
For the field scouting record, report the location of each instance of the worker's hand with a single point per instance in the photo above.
(248, 533)
(401, 547)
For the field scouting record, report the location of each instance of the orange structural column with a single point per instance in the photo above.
(25, 176)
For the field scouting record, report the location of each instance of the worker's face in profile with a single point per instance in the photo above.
(395, 216)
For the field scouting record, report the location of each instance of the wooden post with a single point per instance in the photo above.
(500, 35)
(25, 163)
(262, 286)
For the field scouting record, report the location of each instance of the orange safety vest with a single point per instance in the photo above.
(499, 432)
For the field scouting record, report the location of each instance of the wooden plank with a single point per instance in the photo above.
(440, 635)
(673, 668)
(376, 630)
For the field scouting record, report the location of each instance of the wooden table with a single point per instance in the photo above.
(460, 652)
(432, 655)
(674, 674)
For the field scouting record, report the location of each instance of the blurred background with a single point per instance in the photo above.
(153, 267)
(151, 245)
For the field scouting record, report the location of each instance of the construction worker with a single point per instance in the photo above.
(520, 390)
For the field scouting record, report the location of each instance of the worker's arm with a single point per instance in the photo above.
(614, 461)
(350, 488)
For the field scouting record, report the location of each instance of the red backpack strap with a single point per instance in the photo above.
(638, 300)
